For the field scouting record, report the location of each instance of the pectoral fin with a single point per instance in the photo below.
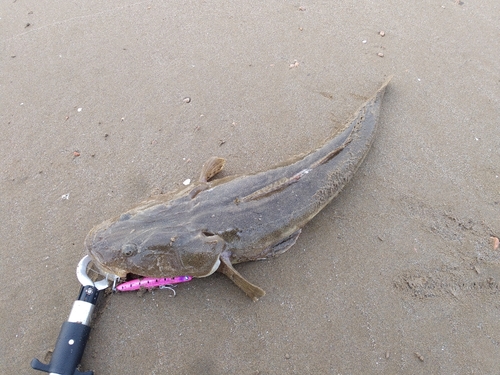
(211, 167)
(284, 245)
(251, 290)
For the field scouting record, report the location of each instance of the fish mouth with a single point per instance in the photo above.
(131, 276)
(106, 270)
(99, 261)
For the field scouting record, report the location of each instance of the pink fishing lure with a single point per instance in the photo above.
(151, 282)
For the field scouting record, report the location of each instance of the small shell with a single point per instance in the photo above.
(495, 241)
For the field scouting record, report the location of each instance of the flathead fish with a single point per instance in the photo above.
(213, 224)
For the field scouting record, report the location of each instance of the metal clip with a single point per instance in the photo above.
(84, 279)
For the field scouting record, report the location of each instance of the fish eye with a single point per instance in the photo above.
(129, 249)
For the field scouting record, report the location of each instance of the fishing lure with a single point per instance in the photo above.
(151, 282)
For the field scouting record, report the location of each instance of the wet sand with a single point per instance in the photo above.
(398, 275)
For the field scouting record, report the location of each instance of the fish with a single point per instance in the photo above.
(215, 223)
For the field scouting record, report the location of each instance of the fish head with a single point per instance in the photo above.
(137, 243)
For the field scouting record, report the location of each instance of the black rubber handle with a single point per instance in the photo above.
(72, 338)
(68, 351)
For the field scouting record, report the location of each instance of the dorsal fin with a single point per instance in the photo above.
(287, 181)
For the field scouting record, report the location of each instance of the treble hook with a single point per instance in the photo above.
(170, 288)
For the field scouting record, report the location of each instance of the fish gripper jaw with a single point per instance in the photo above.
(75, 332)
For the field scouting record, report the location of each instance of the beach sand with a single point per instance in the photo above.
(104, 103)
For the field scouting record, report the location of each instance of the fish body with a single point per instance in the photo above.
(214, 224)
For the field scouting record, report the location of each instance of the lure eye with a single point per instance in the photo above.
(129, 249)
